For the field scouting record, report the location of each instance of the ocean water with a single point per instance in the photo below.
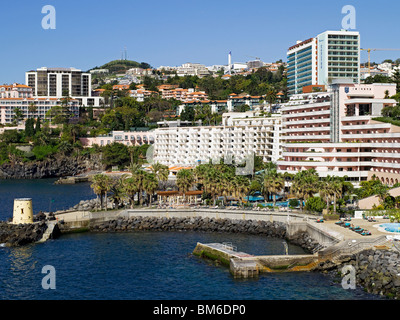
(143, 265)
(46, 196)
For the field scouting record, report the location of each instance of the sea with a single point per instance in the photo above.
(141, 265)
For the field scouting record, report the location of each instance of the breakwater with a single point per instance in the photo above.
(254, 227)
(377, 270)
(23, 234)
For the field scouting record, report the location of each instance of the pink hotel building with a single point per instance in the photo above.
(335, 133)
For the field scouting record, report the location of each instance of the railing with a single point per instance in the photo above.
(229, 246)
(351, 247)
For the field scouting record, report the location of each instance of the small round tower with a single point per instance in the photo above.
(23, 212)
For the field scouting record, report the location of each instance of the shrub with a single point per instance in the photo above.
(42, 152)
(294, 203)
(315, 204)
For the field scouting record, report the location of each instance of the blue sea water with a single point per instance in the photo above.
(46, 196)
(143, 265)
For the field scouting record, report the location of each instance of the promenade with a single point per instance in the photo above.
(83, 218)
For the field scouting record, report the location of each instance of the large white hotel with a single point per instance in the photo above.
(334, 132)
(240, 135)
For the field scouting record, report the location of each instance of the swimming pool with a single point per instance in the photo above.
(391, 227)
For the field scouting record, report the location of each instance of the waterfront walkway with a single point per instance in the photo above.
(328, 227)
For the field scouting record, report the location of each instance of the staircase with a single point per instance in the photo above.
(350, 248)
(49, 231)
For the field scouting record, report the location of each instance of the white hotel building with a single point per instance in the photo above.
(240, 135)
(335, 133)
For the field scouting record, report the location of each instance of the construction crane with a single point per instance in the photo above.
(373, 49)
(257, 58)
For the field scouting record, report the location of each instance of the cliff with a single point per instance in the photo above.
(53, 167)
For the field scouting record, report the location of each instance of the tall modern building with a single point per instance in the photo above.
(55, 82)
(318, 60)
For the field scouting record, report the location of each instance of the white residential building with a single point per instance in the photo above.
(192, 69)
(240, 135)
(128, 138)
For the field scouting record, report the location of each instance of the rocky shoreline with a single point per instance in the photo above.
(377, 271)
(53, 167)
(20, 235)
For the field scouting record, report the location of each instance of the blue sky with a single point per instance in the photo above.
(90, 33)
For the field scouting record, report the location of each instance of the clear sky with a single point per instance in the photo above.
(90, 33)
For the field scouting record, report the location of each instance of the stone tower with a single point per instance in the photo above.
(23, 212)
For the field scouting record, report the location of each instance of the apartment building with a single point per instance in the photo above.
(192, 69)
(141, 94)
(334, 132)
(128, 138)
(240, 135)
(33, 108)
(318, 60)
(218, 106)
(15, 90)
(56, 82)
(184, 95)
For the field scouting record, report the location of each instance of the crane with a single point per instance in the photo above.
(257, 58)
(373, 49)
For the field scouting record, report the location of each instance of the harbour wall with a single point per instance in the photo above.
(295, 225)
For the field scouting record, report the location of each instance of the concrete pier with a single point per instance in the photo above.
(243, 265)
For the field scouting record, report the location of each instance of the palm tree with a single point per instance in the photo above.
(185, 180)
(305, 185)
(160, 171)
(150, 185)
(271, 98)
(101, 184)
(117, 191)
(273, 183)
(242, 187)
(131, 188)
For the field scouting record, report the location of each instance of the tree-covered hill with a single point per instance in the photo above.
(121, 66)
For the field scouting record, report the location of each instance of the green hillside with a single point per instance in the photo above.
(121, 66)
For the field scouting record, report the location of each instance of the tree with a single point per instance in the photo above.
(115, 154)
(315, 204)
(38, 125)
(18, 114)
(101, 185)
(331, 188)
(271, 98)
(150, 185)
(32, 108)
(29, 127)
(305, 185)
(187, 114)
(160, 171)
(272, 183)
(184, 180)
(396, 79)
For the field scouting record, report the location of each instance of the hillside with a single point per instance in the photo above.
(121, 66)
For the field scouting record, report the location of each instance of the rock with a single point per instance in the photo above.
(52, 167)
